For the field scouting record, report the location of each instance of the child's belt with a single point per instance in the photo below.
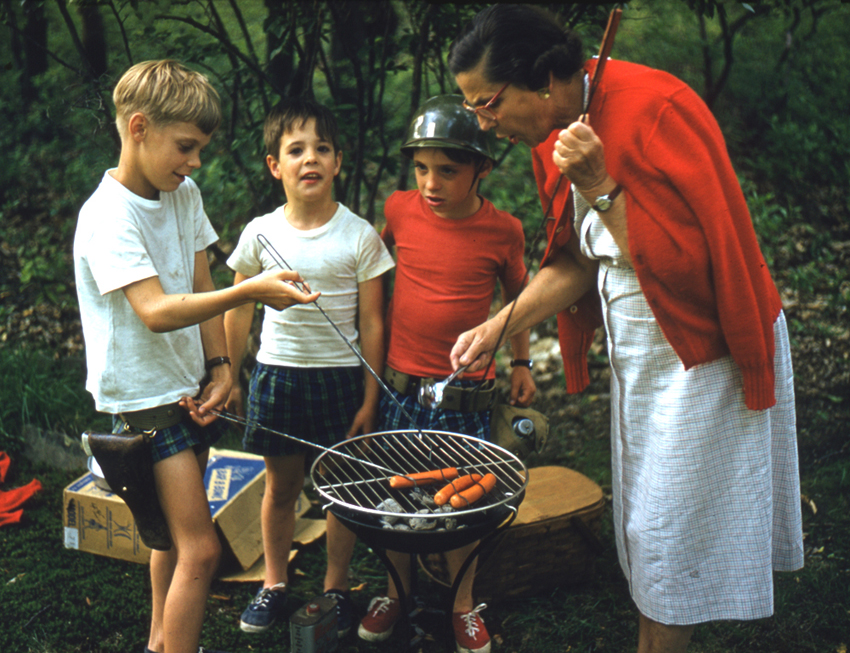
(154, 419)
(465, 400)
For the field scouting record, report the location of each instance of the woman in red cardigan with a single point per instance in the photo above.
(653, 239)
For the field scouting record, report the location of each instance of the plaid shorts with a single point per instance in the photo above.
(174, 439)
(433, 419)
(312, 404)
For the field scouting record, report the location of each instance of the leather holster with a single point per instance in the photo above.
(127, 466)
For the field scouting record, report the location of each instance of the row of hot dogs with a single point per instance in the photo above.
(460, 492)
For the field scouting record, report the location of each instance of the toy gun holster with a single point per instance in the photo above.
(127, 466)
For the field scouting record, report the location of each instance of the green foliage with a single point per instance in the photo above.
(42, 391)
(789, 93)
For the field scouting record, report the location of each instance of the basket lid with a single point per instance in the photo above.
(555, 491)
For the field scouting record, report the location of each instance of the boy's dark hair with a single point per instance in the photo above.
(464, 156)
(519, 44)
(291, 114)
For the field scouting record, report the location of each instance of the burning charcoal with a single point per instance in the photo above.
(422, 524)
(400, 526)
(446, 508)
(389, 505)
(450, 524)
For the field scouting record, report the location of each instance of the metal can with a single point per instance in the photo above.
(523, 427)
(312, 628)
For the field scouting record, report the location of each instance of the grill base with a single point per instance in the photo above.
(369, 529)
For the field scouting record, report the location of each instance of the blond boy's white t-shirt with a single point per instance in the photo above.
(122, 238)
(333, 259)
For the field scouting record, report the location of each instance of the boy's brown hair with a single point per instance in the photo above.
(166, 92)
(292, 113)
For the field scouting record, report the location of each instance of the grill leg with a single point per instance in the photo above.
(409, 603)
(472, 556)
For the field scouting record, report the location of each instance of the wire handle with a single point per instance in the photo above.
(281, 262)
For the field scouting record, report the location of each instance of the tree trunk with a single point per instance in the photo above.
(35, 38)
(93, 37)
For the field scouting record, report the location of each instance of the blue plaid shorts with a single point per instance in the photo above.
(313, 404)
(432, 419)
(174, 439)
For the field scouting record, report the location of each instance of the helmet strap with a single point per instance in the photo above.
(478, 170)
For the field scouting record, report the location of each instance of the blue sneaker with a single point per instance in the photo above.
(266, 608)
(344, 611)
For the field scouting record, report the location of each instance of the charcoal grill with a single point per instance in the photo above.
(357, 484)
(357, 487)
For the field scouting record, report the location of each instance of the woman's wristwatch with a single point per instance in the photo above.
(604, 202)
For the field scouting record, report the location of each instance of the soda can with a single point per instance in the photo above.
(312, 628)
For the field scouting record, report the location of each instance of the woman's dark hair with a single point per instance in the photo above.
(520, 44)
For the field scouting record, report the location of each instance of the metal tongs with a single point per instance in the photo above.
(431, 394)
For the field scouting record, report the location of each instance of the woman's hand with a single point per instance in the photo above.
(476, 346)
(580, 156)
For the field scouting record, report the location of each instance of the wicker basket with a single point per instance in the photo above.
(553, 541)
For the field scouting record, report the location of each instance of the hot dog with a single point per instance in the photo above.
(473, 494)
(458, 485)
(423, 478)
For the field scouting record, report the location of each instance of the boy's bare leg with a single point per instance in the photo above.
(284, 481)
(654, 637)
(162, 570)
(181, 582)
(454, 561)
(341, 543)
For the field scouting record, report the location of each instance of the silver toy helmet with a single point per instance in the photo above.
(442, 121)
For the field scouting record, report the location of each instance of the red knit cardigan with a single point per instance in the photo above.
(690, 234)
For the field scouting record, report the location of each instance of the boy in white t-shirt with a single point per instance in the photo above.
(307, 382)
(151, 318)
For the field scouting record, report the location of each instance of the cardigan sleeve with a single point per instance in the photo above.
(578, 323)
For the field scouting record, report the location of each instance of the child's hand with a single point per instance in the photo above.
(364, 422)
(212, 397)
(278, 289)
(523, 387)
(235, 402)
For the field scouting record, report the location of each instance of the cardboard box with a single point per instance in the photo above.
(98, 521)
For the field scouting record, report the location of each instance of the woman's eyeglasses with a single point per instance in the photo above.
(484, 111)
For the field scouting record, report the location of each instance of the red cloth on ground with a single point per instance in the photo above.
(12, 500)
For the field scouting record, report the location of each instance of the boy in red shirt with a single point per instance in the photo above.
(451, 245)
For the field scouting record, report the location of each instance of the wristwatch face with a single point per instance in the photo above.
(603, 203)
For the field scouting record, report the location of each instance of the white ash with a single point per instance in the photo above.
(420, 496)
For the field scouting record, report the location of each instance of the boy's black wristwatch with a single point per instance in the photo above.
(215, 362)
(522, 362)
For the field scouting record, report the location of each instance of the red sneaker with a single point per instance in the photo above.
(471, 634)
(380, 618)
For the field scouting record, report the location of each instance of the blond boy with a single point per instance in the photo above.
(152, 321)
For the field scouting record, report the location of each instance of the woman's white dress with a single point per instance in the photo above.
(706, 493)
